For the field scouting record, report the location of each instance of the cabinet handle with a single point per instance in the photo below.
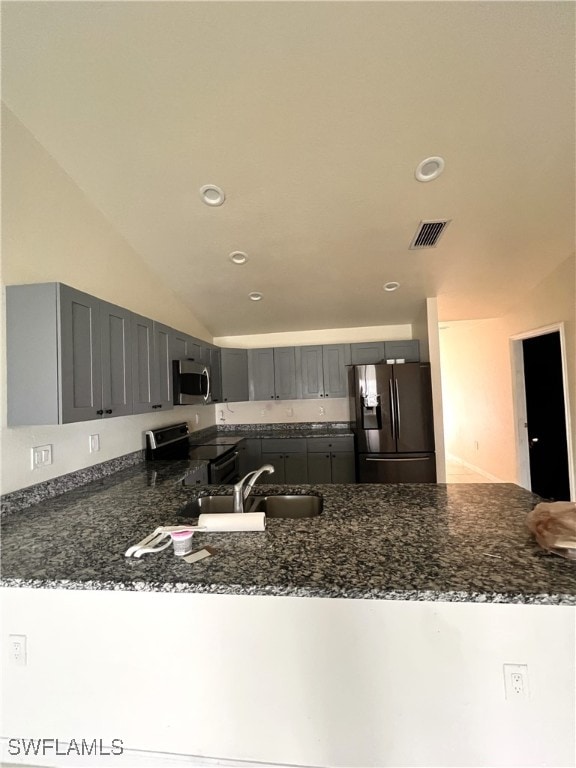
(100, 412)
(108, 410)
(277, 397)
(326, 395)
(321, 395)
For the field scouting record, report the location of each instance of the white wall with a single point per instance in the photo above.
(51, 232)
(477, 374)
(324, 682)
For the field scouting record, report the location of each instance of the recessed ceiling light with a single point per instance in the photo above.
(391, 286)
(430, 168)
(212, 195)
(238, 257)
(255, 296)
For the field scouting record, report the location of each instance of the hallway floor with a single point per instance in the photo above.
(460, 473)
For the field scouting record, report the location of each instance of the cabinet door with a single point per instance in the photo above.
(408, 350)
(143, 383)
(277, 461)
(335, 358)
(343, 467)
(81, 368)
(180, 345)
(311, 371)
(235, 375)
(319, 468)
(285, 373)
(116, 360)
(251, 457)
(295, 468)
(367, 353)
(261, 374)
(163, 366)
(216, 375)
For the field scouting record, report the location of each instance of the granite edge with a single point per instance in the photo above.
(288, 591)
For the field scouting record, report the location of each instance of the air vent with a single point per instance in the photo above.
(428, 234)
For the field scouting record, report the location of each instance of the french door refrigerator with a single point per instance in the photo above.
(394, 424)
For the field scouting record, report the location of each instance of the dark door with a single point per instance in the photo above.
(546, 417)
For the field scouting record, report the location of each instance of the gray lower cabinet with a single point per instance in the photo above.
(151, 365)
(331, 460)
(289, 458)
(68, 356)
(323, 370)
(272, 374)
(250, 451)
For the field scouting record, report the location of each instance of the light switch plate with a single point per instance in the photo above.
(94, 443)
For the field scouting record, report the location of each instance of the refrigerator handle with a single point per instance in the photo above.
(392, 411)
(397, 408)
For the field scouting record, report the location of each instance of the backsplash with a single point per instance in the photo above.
(283, 411)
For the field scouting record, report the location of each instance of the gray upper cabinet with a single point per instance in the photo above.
(116, 334)
(80, 352)
(216, 375)
(311, 367)
(367, 353)
(272, 374)
(151, 365)
(69, 356)
(323, 370)
(261, 374)
(372, 352)
(285, 382)
(234, 365)
(163, 366)
(408, 350)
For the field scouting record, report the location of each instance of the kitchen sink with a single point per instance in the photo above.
(288, 505)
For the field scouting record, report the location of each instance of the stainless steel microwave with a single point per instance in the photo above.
(191, 382)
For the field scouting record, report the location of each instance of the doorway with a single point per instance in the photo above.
(543, 414)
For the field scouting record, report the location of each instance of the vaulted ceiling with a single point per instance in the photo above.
(312, 117)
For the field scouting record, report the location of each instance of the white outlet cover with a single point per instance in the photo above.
(41, 456)
(94, 443)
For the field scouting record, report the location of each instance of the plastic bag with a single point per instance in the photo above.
(554, 525)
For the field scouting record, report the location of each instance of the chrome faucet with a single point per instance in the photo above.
(241, 491)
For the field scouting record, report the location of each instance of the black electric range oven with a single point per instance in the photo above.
(174, 444)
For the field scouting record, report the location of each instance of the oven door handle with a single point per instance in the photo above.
(227, 462)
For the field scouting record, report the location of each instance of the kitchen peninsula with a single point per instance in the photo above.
(393, 597)
(405, 542)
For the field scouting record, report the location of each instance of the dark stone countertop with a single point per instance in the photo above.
(462, 543)
(297, 429)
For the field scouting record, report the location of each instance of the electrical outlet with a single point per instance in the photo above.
(516, 681)
(321, 410)
(17, 649)
(94, 443)
(41, 456)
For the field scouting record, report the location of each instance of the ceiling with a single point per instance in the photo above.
(312, 116)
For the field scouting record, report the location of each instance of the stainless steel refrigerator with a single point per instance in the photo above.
(394, 423)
